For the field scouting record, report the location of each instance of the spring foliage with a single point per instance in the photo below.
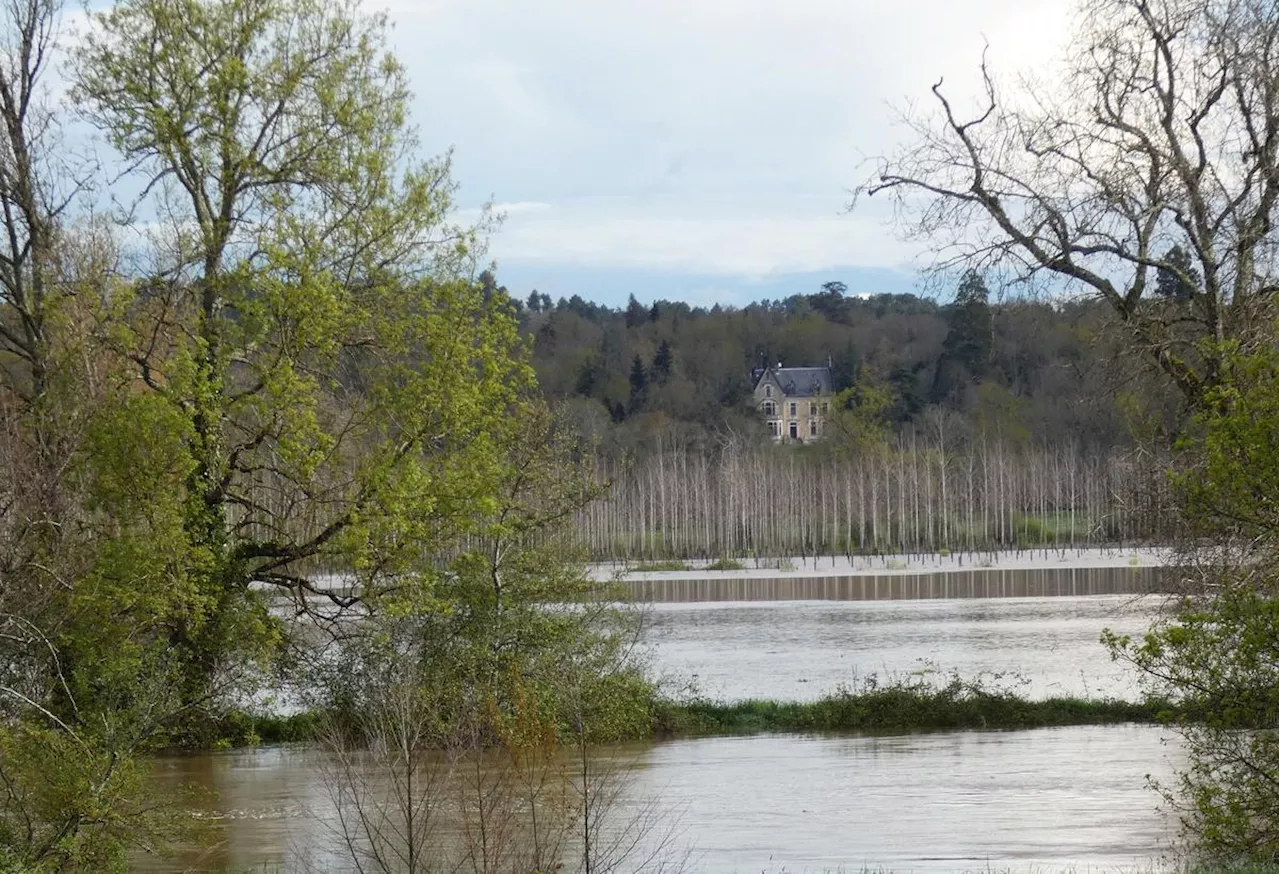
(293, 388)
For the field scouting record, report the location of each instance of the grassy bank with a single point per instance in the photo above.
(899, 708)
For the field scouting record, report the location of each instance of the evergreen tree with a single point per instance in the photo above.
(639, 385)
(636, 313)
(966, 352)
(1179, 280)
(662, 363)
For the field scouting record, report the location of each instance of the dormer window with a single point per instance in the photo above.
(768, 391)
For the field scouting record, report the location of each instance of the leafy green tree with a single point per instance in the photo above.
(338, 388)
(859, 420)
(1216, 649)
(85, 595)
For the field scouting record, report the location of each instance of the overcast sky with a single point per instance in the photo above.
(693, 149)
(697, 150)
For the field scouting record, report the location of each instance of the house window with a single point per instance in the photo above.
(813, 409)
(813, 428)
(794, 432)
(825, 407)
(768, 391)
(769, 408)
(793, 411)
(773, 429)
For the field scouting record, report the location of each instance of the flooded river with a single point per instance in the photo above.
(801, 650)
(1044, 800)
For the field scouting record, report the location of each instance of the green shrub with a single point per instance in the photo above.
(916, 704)
(650, 567)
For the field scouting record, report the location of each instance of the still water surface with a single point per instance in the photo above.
(801, 650)
(1040, 800)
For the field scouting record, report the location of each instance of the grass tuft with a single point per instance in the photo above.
(916, 704)
(649, 567)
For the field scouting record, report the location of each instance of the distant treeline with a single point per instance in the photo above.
(910, 496)
(1031, 372)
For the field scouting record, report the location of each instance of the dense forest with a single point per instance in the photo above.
(1024, 370)
(968, 424)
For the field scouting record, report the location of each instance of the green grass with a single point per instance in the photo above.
(916, 703)
(899, 708)
(240, 729)
(726, 564)
(648, 567)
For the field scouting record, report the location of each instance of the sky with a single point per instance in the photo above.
(697, 150)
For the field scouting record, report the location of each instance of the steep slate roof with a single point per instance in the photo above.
(802, 382)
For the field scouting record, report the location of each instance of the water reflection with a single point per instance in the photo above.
(1067, 581)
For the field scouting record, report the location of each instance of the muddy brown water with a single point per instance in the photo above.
(1045, 800)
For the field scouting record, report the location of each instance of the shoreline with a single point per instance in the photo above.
(902, 565)
(888, 710)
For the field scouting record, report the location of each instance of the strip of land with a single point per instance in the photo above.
(907, 564)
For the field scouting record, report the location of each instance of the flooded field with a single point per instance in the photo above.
(801, 650)
(1045, 800)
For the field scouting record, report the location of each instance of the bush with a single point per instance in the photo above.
(650, 567)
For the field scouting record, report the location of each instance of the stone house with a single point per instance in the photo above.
(794, 401)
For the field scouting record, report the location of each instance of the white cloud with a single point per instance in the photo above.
(717, 238)
(693, 134)
(617, 93)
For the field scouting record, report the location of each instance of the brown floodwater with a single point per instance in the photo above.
(1042, 800)
(1039, 800)
(801, 650)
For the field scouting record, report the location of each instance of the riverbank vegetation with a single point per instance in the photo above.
(276, 430)
(874, 705)
(275, 422)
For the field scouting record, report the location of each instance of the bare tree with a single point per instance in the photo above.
(38, 181)
(1160, 143)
